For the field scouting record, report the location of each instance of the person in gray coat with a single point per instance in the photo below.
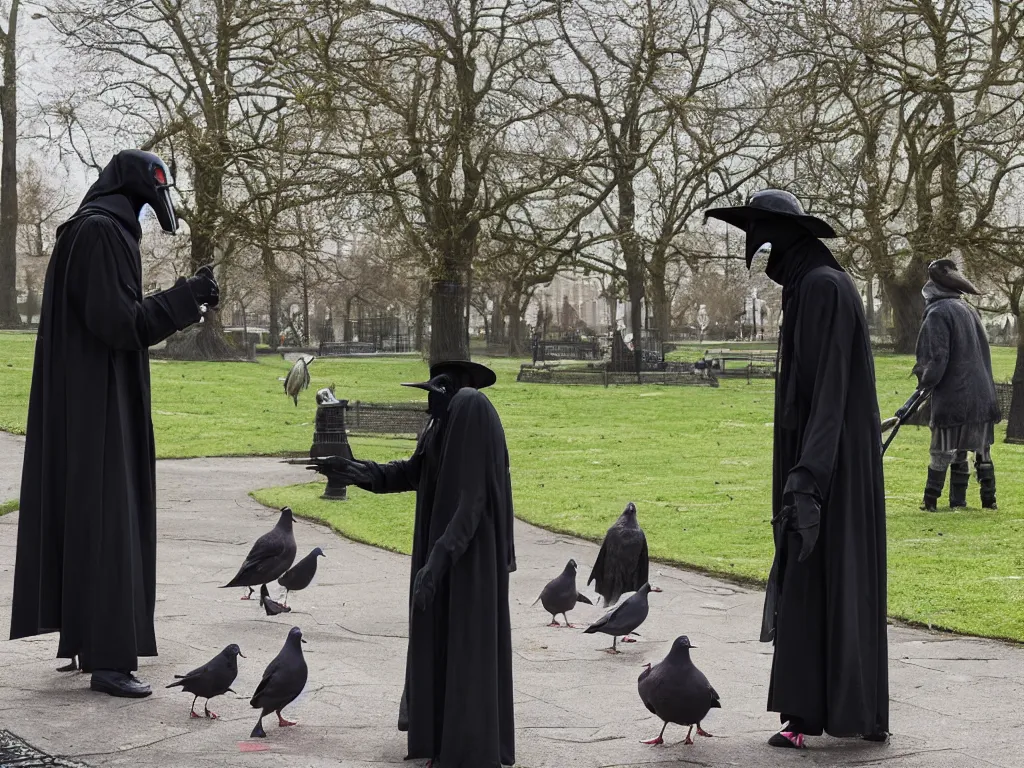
(954, 368)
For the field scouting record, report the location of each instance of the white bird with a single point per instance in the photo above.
(298, 378)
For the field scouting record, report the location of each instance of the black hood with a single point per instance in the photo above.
(140, 177)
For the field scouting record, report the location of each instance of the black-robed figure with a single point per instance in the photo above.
(457, 704)
(86, 557)
(825, 605)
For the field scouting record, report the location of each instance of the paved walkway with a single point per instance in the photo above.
(956, 702)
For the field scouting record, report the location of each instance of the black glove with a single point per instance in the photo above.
(423, 588)
(204, 287)
(802, 512)
(347, 471)
(910, 407)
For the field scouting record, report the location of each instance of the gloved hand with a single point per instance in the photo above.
(204, 287)
(347, 471)
(423, 588)
(803, 515)
(907, 409)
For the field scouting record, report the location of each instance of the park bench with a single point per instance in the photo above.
(748, 364)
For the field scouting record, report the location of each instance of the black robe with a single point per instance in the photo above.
(86, 557)
(459, 664)
(829, 620)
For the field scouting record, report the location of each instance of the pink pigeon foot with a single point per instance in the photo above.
(627, 640)
(654, 741)
(282, 723)
(702, 732)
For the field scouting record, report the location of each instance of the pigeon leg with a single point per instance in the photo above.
(206, 710)
(702, 732)
(281, 722)
(660, 738)
(258, 732)
(688, 740)
(249, 596)
(71, 666)
(554, 621)
(567, 624)
(192, 713)
(613, 649)
(286, 598)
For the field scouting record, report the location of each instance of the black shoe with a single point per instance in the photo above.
(987, 481)
(881, 737)
(122, 684)
(933, 489)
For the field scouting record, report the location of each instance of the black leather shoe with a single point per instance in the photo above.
(121, 684)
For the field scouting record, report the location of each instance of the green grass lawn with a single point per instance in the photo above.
(696, 461)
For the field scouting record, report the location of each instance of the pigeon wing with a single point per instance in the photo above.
(267, 547)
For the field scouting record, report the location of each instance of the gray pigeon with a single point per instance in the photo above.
(269, 558)
(272, 607)
(677, 692)
(624, 619)
(301, 574)
(282, 682)
(560, 595)
(621, 565)
(214, 678)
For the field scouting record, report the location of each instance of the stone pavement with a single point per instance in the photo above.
(956, 702)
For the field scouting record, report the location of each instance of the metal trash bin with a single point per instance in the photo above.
(330, 438)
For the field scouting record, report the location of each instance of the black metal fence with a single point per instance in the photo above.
(396, 419)
(670, 374)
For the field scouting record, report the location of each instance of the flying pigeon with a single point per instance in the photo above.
(677, 692)
(301, 574)
(624, 619)
(214, 678)
(271, 555)
(272, 607)
(298, 378)
(282, 682)
(621, 565)
(560, 595)
(944, 272)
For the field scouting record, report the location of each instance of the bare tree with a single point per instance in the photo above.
(9, 315)
(443, 99)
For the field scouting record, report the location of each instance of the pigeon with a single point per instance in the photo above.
(301, 574)
(214, 678)
(282, 682)
(624, 619)
(271, 555)
(621, 564)
(560, 595)
(272, 607)
(298, 378)
(677, 692)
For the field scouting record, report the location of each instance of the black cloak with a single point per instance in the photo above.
(86, 557)
(459, 664)
(827, 615)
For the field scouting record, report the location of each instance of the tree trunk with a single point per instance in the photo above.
(273, 296)
(869, 309)
(448, 337)
(421, 314)
(305, 307)
(9, 315)
(907, 307)
(1015, 419)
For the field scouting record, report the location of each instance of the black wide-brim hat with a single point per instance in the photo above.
(478, 376)
(771, 205)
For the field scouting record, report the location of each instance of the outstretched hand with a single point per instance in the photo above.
(204, 287)
(347, 471)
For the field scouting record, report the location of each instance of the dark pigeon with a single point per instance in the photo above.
(301, 574)
(214, 678)
(282, 683)
(677, 692)
(621, 565)
(272, 607)
(269, 558)
(560, 595)
(624, 619)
